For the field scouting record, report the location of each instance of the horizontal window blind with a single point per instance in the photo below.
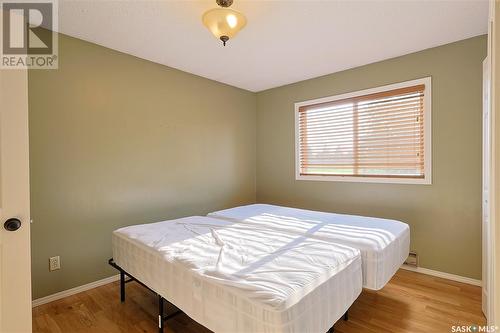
(375, 135)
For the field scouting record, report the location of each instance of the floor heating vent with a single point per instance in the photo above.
(412, 259)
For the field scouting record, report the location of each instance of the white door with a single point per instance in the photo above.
(15, 260)
(486, 228)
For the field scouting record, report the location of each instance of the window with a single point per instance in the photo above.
(374, 135)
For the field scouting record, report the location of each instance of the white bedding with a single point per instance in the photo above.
(232, 277)
(384, 244)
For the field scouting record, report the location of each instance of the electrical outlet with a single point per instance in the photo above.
(54, 263)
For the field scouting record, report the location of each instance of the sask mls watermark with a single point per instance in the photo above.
(28, 34)
(474, 329)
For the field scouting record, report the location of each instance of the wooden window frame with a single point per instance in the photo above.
(426, 180)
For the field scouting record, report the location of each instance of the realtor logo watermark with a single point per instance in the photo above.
(28, 34)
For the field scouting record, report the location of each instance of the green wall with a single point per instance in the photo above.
(445, 217)
(116, 140)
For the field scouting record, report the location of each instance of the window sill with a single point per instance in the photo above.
(383, 180)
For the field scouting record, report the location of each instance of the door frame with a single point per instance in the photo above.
(488, 228)
(15, 253)
(493, 281)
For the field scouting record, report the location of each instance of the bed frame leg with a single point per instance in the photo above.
(346, 315)
(160, 314)
(122, 286)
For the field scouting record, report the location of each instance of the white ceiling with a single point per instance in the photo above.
(283, 42)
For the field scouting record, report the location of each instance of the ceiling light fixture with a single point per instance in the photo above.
(224, 23)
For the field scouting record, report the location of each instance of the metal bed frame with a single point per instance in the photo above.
(162, 318)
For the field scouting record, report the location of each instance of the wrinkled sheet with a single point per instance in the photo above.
(384, 244)
(233, 277)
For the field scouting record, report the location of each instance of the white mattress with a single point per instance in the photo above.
(232, 277)
(384, 244)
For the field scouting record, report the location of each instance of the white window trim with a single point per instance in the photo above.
(427, 180)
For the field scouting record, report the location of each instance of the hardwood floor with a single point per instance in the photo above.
(411, 302)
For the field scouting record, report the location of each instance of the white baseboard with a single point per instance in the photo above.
(443, 275)
(76, 290)
(95, 284)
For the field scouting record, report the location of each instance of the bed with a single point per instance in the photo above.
(384, 244)
(237, 277)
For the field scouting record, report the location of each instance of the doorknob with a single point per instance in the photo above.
(12, 224)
